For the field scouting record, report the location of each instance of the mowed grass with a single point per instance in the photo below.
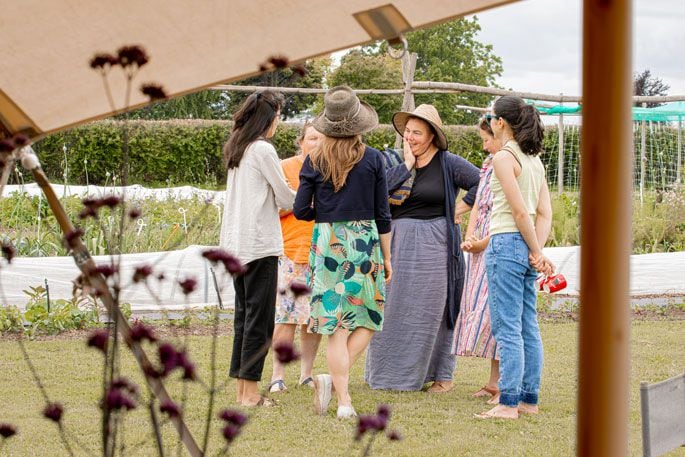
(431, 425)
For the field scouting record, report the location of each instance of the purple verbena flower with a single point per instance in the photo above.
(20, 140)
(394, 435)
(285, 353)
(72, 236)
(134, 213)
(141, 273)
(111, 201)
(168, 357)
(106, 270)
(154, 91)
(279, 61)
(183, 361)
(230, 432)
(383, 411)
(7, 430)
(116, 399)
(122, 383)
(233, 416)
(188, 285)
(53, 411)
(8, 251)
(7, 145)
(99, 339)
(170, 408)
(132, 55)
(299, 288)
(102, 61)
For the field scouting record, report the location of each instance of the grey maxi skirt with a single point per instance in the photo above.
(414, 346)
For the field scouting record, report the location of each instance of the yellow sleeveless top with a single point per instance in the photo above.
(529, 181)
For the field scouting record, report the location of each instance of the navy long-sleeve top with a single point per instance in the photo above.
(458, 173)
(363, 197)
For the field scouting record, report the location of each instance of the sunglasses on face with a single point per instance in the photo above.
(490, 117)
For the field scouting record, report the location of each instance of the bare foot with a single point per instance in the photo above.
(527, 408)
(500, 412)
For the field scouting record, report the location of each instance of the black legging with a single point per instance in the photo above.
(255, 311)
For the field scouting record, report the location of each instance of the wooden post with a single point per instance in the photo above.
(606, 171)
(408, 70)
(560, 165)
(643, 157)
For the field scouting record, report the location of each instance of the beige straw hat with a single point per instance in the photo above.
(344, 115)
(426, 113)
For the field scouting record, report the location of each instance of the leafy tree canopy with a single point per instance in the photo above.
(646, 84)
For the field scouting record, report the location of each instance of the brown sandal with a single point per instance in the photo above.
(440, 387)
(485, 390)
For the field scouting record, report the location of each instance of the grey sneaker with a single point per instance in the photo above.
(323, 385)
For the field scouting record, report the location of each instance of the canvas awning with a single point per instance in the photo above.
(46, 83)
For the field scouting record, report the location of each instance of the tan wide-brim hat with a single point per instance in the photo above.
(426, 113)
(344, 115)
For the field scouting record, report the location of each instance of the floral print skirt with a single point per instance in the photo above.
(347, 277)
(291, 309)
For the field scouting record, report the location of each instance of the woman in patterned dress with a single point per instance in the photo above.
(472, 336)
(343, 189)
(292, 310)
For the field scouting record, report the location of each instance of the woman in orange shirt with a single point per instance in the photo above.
(293, 311)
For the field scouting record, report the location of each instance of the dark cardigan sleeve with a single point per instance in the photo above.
(396, 176)
(465, 176)
(381, 206)
(303, 208)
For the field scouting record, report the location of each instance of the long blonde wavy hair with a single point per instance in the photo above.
(335, 157)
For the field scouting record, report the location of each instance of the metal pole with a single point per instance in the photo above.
(643, 158)
(560, 169)
(678, 172)
(604, 365)
(408, 70)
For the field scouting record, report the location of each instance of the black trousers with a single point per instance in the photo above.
(255, 311)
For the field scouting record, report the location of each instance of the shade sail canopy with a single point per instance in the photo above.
(46, 83)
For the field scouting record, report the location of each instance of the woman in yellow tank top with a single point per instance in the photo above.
(519, 226)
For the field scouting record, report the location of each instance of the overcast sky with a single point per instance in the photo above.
(539, 42)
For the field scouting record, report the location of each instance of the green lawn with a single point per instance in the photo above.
(431, 425)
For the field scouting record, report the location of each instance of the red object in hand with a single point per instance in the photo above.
(554, 283)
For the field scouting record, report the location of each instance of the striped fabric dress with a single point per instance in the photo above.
(472, 336)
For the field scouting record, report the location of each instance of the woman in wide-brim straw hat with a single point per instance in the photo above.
(423, 296)
(343, 189)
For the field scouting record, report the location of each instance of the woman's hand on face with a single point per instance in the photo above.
(387, 267)
(409, 158)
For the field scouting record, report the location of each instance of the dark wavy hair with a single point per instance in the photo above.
(524, 121)
(251, 121)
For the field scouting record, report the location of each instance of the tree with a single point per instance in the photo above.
(214, 104)
(646, 84)
(361, 70)
(450, 52)
(295, 103)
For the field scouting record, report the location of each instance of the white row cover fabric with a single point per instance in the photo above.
(651, 274)
(134, 192)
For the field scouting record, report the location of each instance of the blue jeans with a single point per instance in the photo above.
(512, 300)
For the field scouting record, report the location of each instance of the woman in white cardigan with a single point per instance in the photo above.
(256, 188)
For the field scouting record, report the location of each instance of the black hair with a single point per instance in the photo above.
(252, 120)
(524, 121)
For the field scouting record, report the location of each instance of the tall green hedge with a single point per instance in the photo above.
(189, 152)
(174, 152)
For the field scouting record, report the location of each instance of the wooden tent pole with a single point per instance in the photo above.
(606, 180)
